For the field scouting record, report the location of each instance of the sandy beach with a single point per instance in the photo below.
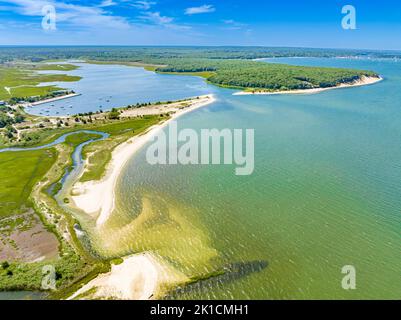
(362, 82)
(55, 99)
(138, 277)
(96, 198)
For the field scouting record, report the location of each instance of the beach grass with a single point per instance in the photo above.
(80, 137)
(19, 171)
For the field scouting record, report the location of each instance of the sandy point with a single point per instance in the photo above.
(138, 277)
(363, 81)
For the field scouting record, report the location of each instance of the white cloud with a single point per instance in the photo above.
(107, 3)
(71, 14)
(233, 25)
(143, 5)
(77, 23)
(202, 9)
(156, 18)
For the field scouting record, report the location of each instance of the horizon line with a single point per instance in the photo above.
(193, 46)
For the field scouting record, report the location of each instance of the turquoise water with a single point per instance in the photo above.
(325, 193)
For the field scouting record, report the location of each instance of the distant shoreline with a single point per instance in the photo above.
(361, 82)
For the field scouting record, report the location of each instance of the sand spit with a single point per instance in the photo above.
(361, 82)
(138, 277)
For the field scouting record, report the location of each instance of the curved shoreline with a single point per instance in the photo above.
(361, 82)
(139, 276)
(97, 198)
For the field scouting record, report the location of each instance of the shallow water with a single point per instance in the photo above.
(21, 295)
(325, 191)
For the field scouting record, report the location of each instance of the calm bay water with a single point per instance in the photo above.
(103, 87)
(325, 192)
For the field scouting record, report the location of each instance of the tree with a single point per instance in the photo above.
(19, 118)
(114, 114)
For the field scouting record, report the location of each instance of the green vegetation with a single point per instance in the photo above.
(223, 66)
(73, 141)
(19, 172)
(53, 67)
(81, 137)
(260, 75)
(20, 82)
(155, 55)
(21, 192)
(28, 276)
(30, 99)
(114, 114)
(117, 261)
(99, 153)
(8, 117)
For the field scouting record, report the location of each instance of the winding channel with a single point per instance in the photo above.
(74, 171)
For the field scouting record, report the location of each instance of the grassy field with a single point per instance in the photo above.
(19, 171)
(81, 137)
(21, 83)
(55, 67)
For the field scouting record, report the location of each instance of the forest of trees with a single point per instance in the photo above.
(261, 75)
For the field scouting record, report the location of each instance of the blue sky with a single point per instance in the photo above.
(303, 23)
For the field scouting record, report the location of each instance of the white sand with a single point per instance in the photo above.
(362, 82)
(96, 198)
(138, 277)
(55, 99)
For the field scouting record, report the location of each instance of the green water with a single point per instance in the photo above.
(326, 192)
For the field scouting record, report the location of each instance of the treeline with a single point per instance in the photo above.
(155, 54)
(261, 75)
(7, 120)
